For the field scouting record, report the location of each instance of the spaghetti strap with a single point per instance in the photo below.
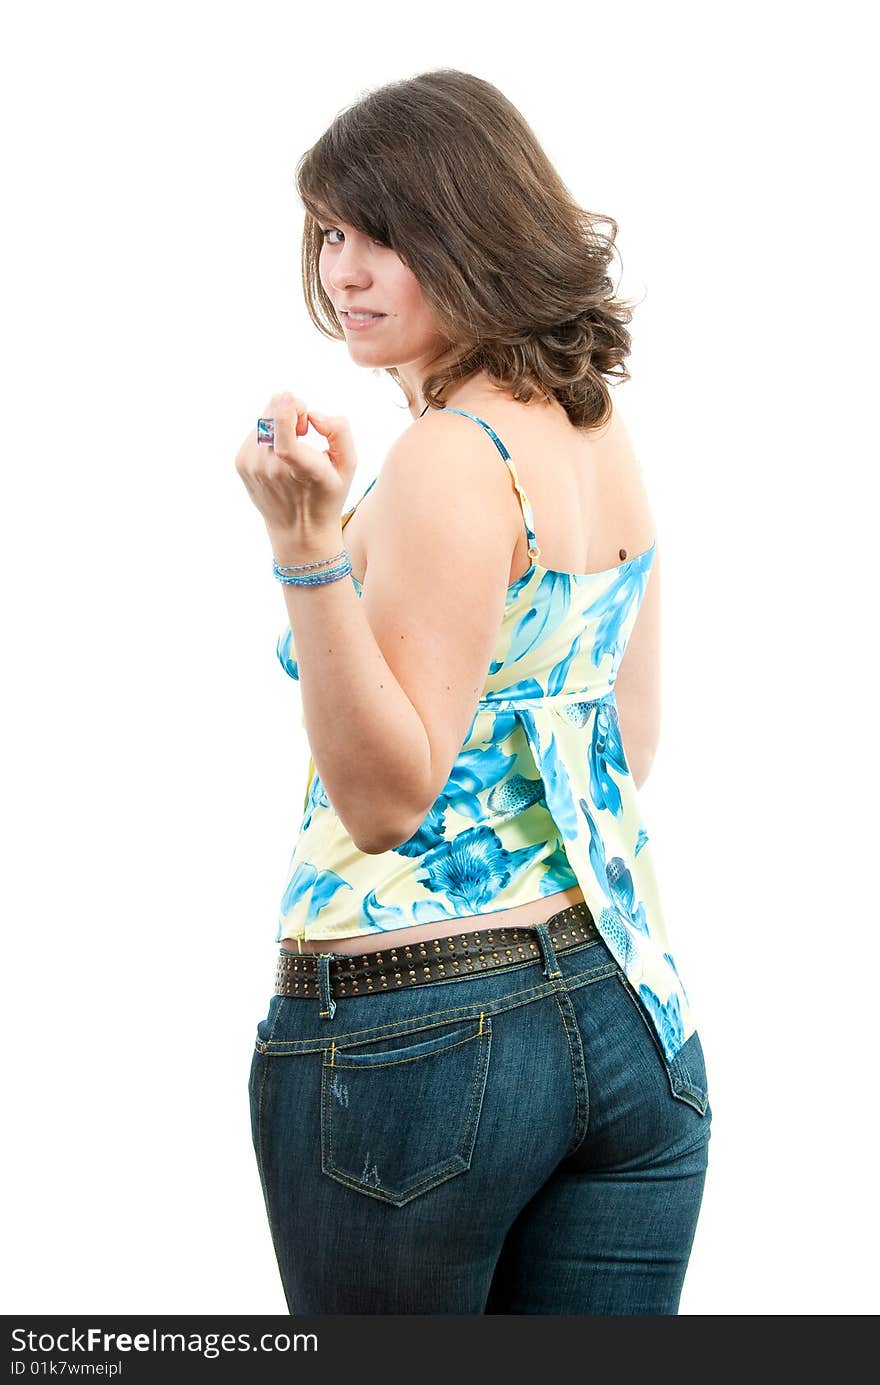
(348, 513)
(525, 506)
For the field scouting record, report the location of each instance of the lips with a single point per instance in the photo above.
(354, 325)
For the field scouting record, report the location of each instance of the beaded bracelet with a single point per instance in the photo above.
(334, 568)
(319, 562)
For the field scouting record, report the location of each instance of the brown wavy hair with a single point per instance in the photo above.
(445, 170)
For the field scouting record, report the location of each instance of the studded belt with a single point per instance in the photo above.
(440, 959)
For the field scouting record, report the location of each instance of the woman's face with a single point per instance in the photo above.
(357, 272)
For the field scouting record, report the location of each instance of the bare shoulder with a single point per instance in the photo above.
(442, 532)
(447, 466)
(615, 444)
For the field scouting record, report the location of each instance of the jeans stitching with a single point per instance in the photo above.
(259, 1151)
(681, 1090)
(435, 1017)
(396, 1062)
(574, 1072)
(481, 1072)
(382, 1194)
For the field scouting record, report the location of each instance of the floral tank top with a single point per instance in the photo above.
(540, 798)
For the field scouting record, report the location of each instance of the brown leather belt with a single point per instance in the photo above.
(440, 959)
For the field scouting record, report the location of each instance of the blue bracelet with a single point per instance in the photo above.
(330, 574)
(319, 562)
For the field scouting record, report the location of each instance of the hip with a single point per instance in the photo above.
(397, 1082)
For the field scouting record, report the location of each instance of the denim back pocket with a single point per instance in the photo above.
(399, 1115)
(687, 1070)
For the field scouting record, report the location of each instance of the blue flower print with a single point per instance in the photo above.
(613, 607)
(473, 867)
(641, 840)
(667, 956)
(557, 785)
(597, 851)
(606, 752)
(474, 772)
(317, 799)
(558, 874)
(557, 678)
(615, 878)
(523, 690)
(667, 1019)
(504, 724)
(620, 883)
(301, 881)
(285, 653)
(431, 833)
(380, 918)
(578, 713)
(552, 600)
(513, 796)
(618, 937)
(319, 885)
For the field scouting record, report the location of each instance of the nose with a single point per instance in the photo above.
(349, 268)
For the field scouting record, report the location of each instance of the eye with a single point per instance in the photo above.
(334, 231)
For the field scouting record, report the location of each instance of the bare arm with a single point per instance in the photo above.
(390, 682)
(367, 740)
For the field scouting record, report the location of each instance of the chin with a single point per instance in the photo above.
(368, 357)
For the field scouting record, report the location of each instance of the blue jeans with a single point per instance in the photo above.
(511, 1141)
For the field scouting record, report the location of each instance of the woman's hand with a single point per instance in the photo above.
(295, 487)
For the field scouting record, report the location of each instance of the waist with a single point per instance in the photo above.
(522, 915)
(393, 968)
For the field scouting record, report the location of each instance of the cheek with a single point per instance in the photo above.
(324, 272)
(409, 294)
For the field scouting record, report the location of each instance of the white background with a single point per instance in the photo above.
(153, 759)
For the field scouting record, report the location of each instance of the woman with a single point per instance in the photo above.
(479, 1087)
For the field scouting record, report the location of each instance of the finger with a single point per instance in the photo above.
(292, 410)
(284, 410)
(340, 442)
(329, 426)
